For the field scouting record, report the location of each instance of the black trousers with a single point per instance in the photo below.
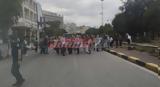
(16, 73)
(15, 66)
(42, 50)
(77, 50)
(111, 44)
(63, 51)
(57, 50)
(70, 50)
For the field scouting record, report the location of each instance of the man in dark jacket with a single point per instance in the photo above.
(15, 44)
(45, 43)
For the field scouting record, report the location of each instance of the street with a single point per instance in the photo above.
(96, 70)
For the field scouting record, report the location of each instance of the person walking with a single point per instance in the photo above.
(129, 39)
(15, 62)
(63, 45)
(111, 41)
(106, 42)
(36, 45)
(56, 45)
(70, 44)
(120, 40)
(42, 47)
(97, 43)
(116, 40)
(78, 40)
(45, 43)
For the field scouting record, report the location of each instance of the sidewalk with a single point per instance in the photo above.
(143, 44)
(144, 56)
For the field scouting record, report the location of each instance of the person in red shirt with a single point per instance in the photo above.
(57, 44)
(89, 44)
(78, 43)
(63, 45)
(69, 45)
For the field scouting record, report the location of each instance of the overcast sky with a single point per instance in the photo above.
(82, 12)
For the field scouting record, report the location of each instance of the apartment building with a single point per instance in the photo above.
(51, 17)
(28, 25)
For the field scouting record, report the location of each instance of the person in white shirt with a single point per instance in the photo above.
(129, 39)
(63, 49)
(111, 41)
(97, 43)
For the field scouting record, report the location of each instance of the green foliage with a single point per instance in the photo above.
(106, 29)
(138, 16)
(92, 31)
(119, 23)
(152, 16)
(54, 29)
(9, 13)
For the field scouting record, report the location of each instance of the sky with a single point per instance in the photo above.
(83, 12)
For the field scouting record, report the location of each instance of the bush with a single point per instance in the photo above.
(143, 40)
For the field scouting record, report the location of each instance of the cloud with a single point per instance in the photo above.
(83, 12)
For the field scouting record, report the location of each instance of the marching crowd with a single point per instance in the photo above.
(63, 45)
(79, 43)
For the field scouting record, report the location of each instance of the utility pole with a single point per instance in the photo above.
(102, 12)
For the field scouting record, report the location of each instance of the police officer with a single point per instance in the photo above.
(15, 61)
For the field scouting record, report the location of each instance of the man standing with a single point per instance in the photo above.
(46, 40)
(63, 49)
(15, 62)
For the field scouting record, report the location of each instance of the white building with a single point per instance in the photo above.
(27, 25)
(52, 17)
(72, 28)
(83, 29)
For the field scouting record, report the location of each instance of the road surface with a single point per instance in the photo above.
(96, 70)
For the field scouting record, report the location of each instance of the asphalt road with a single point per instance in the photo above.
(96, 70)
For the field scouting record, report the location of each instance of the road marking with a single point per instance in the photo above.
(143, 68)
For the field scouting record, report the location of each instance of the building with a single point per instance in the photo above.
(72, 28)
(52, 17)
(83, 29)
(29, 21)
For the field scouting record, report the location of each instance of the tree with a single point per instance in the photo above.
(138, 17)
(54, 29)
(152, 17)
(119, 23)
(106, 29)
(92, 31)
(10, 11)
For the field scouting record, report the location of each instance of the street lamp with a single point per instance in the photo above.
(102, 11)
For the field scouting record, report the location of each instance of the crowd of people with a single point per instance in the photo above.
(63, 45)
(69, 44)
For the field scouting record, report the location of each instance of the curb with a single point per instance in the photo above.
(150, 66)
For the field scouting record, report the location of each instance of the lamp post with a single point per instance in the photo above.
(102, 12)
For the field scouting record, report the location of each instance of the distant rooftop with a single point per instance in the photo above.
(50, 13)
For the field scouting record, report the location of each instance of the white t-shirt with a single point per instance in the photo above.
(111, 39)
